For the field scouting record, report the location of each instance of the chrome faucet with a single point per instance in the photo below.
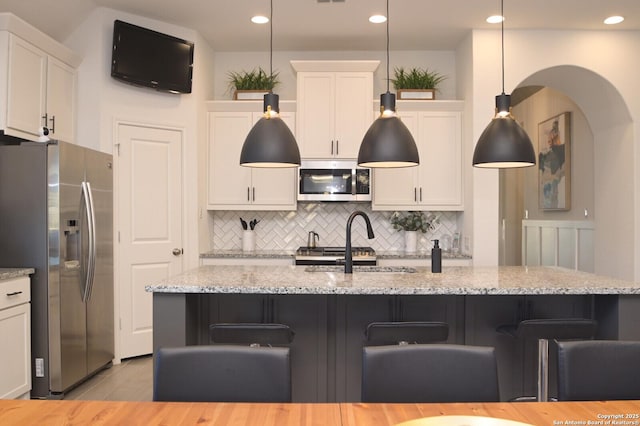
(348, 257)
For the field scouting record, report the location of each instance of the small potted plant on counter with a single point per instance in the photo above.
(251, 85)
(412, 223)
(416, 83)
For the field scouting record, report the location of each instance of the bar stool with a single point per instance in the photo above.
(252, 334)
(429, 373)
(222, 373)
(405, 332)
(543, 330)
(597, 370)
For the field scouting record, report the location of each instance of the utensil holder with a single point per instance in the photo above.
(248, 240)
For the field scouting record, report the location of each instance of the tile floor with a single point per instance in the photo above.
(131, 380)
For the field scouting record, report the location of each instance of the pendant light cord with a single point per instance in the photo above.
(387, 45)
(502, 35)
(271, 39)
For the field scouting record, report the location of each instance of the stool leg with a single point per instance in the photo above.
(543, 370)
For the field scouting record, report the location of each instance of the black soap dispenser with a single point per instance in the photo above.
(436, 257)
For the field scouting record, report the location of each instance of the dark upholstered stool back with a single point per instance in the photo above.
(224, 373)
(429, 373)
(542, 331)
(553, 328)
(251, 333)
(598, 370)
(390, 333)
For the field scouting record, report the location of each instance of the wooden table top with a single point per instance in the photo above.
(40, 412)
(24, 412)
(535, 413)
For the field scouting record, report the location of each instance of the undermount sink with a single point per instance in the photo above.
(340, 268)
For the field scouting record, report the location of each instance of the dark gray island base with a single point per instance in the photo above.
(329, 312)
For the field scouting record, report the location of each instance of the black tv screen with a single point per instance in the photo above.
(148, 58)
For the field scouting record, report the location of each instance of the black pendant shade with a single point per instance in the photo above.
(388, 142)
(504, 143)
(270, 143)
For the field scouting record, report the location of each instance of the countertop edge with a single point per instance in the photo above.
(435, 291)
(461, 280)
(9, 273)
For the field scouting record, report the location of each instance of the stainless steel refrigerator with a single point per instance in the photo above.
(56, 216)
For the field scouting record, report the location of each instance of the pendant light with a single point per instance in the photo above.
(270, 143)
(504, 143)
(388, 142)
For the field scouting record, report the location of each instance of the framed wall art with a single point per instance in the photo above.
(554, 162)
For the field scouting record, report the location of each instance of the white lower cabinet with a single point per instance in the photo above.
(15, 335)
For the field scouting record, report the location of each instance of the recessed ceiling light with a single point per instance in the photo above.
(377, 19)
(495, 19)
(259, 19)
(611, 20)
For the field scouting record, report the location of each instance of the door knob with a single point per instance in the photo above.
(177, 251)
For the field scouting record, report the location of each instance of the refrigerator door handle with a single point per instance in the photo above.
(92, 242)
(87, 204)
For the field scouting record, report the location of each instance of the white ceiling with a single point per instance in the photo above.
(313, 25)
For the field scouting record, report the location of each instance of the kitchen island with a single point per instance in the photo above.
(329, 311)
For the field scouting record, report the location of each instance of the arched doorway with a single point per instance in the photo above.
(606, 175)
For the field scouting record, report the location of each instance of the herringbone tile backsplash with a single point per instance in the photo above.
(282, 230)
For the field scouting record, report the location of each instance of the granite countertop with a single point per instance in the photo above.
(9, 273)
(289, 254)
(509, 280)
(257, 254)
(422, 254)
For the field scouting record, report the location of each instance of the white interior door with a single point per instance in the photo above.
(149, 225)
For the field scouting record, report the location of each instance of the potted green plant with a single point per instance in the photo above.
(251, 85)
(412, 223)
(416, 83)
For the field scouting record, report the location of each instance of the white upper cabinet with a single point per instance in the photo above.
(38, 84)
(61, 89)
(235, 187)
(435, 184)
(333, 107)
(26, 88)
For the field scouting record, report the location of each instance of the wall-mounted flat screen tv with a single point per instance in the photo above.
(148, 58)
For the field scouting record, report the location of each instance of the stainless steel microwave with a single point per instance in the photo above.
(333, 180)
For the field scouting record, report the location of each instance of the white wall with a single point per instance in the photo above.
(607, 92)
(485, 85)
(519, 188)
(204, 91)
(102, 101)
(539, 107)
(464, 90)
